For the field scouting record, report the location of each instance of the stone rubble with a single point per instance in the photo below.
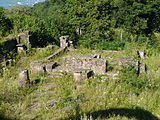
(83, 67)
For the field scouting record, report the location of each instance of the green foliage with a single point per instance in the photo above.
(101, 44)
(136, 16)
(129, 76)
(101, 21)
(91, 16)
(18, 9)
(5, 23)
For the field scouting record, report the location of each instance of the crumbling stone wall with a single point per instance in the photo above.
(26, 38)
(23, 38)
(39, 66)
(98, 65)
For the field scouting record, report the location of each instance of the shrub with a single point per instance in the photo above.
(129, 76)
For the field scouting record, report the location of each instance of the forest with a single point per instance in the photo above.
(104, 24)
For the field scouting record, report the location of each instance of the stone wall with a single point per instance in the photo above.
(98, 65)
(39, 66)
(26, 38)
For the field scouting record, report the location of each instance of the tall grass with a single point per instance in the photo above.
(130, 97)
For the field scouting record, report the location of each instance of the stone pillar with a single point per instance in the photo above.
(21, 49)
(26, 38)
(141, 54)
(80, 75)
(78, 31)
(142, 68)
(18, 39)
(23, 78)
(71, 46)
(64, 41)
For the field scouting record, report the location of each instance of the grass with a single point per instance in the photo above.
(54, 98)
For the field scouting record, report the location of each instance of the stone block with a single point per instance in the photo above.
(50, 66)
(23, 78)
(96, 56)
(78, 31)
(142, 68)
(82, 74)
(141, 54)
(26, 38)
(64, 41)
(21, 49)
(98, 65)
(37, 67)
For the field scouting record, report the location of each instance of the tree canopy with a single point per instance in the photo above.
(5, 23)
(102, 22)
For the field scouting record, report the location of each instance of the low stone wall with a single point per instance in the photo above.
(58, 52)
(39, 66)
(98, 65)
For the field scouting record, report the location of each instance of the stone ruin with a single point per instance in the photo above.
(83, 67)
(97, 65)
(142, 54)
(39, 66)
(21, 49)
(142, 68)
(128, 61)
(80, 66)
(64, 41)
(25, 38)
(45, 65)
(23, 79)
(139, 67)
(82, 74)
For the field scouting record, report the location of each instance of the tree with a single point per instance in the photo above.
(136, 16)
(5, 23)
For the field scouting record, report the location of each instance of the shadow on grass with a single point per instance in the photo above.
(136, 113)
(5, 118)
(35, 82)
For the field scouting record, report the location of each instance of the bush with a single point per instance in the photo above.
(128, 75)
(5, 24)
